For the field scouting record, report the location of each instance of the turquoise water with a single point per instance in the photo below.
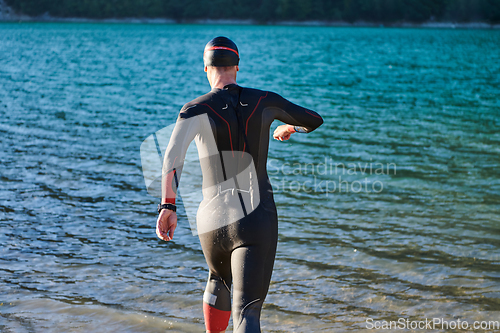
(410, 142)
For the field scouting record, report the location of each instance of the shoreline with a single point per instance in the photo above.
(7, 15)
(429, 25)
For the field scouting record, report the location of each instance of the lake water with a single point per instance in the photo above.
(408, 227)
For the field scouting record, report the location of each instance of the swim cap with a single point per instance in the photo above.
(221, 52)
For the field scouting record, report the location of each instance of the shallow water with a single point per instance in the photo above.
(413, 231)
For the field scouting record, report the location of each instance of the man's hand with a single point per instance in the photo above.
(283, 132)
(166, 224)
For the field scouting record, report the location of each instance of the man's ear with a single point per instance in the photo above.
(206, 69)
(237, 68)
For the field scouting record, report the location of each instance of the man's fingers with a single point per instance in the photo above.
(160, 230)
(161, 234)
(164, 236)
(277, 133)
(282, 137)
(172, 226)
(167, 234)
(165, 226)
(281, 133)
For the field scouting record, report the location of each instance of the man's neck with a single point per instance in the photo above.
(221, 81)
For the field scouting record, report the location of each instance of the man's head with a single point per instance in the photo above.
(221, 52)
(221, 60)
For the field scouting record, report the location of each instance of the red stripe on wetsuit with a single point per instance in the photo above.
(246, 128)
(170, 195)
(228, 126)
(215, 320)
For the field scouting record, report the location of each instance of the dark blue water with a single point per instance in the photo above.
(408, 226)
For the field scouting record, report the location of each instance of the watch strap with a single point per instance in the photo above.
(170, 206)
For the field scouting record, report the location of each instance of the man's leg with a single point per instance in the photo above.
(216, 304)
(217, 296)
(252, 268)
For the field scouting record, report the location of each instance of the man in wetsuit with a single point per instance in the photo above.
(237, 219)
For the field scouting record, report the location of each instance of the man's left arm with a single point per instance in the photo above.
(184, 132)
(297, 118)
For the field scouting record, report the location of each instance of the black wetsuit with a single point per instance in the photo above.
(240, 251)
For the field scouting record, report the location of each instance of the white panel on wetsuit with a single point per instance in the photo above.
(230, 187)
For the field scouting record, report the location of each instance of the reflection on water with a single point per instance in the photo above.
(79, 253)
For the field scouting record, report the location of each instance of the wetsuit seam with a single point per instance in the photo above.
(243, 310)
(189, 107)
(221, 279)
(256, 106)
(282, 110)
(246, 127)
(225, 285)
(228, 126)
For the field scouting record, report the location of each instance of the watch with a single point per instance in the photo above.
(300, 129)
(170, 206)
